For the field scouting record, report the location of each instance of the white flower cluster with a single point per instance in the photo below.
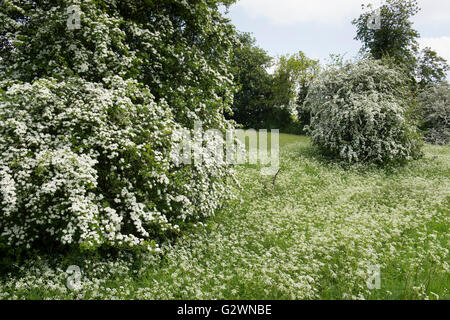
(359, 113)
(7, 190)
(84, 145)
(85, 164)
(434, 104)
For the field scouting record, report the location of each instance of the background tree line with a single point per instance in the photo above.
(269, 100)
(276, 100)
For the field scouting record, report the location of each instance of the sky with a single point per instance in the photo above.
(321, 27)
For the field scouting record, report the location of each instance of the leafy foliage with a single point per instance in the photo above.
(87, 118)
(360, 114)
(435, 110)
(251, 107)
(266, 100)
(396, 40)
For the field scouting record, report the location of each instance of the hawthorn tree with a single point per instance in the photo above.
(360, 113)
(434, 107)
(266, 100)
(88, 114)
(292, 78)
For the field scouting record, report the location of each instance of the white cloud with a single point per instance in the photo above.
(433, 11)
(441, 45)
(331, 11)
(293, 11)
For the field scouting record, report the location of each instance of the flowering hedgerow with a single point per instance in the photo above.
(360, 113)
(88, 115)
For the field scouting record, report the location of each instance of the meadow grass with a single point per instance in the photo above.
(317, 232)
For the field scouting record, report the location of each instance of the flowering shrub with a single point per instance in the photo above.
(435, 108)
(87, 117)
(360, 114)
(85, 164)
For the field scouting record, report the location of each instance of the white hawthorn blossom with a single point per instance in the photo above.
(82, 164)
(87, 117)
(360, 113)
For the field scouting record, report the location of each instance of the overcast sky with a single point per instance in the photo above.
(321, 27)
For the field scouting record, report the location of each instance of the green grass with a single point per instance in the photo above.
(314, 234)
(284, 139)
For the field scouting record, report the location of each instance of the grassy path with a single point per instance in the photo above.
(320, 232)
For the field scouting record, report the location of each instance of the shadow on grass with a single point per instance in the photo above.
(330, 161)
